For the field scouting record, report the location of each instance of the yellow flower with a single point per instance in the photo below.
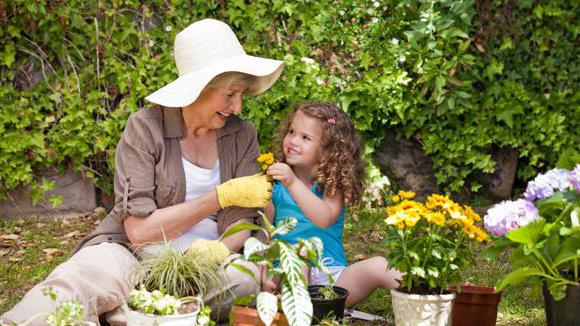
(412, 219)
(436, 218)
(266, 159)
(396, 198)
(406, 194)
(468, 211)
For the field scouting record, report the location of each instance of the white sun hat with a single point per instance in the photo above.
(204, 50)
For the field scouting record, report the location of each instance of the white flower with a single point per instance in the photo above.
(307, 60)
(203, 320)
(395, 41)
(319, 81)
(151, 43)
(375, 19)
(341, 12)
(376, 4)
(574, 218)
(370, 11)
(168, 28)
(402, 59)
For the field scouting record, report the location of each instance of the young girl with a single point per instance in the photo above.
(321, 173)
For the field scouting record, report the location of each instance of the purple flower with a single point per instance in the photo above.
(509, 215)
(575, 177)
(543, 185)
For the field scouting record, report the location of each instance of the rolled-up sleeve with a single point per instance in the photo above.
(135, 171)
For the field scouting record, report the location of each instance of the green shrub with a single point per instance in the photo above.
(459, 76)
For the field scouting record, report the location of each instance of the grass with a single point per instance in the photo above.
(30, 249)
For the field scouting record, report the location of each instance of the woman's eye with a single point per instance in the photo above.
(291, 132)
(306, 138)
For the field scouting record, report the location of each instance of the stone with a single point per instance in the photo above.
(499, 184)
(405, 163)
(77, 192)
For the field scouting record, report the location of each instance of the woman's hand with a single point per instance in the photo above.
(251, 191)
(283, 173)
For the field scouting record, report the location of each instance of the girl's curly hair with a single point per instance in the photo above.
(341, 169)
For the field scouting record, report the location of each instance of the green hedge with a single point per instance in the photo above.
(460, 76)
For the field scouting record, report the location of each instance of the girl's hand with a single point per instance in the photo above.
(283, 173)
(266, 284)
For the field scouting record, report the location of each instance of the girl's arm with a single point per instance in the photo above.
(322, 212)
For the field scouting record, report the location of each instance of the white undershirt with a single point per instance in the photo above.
(199, 181)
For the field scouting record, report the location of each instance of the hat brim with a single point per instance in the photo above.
(186, 89)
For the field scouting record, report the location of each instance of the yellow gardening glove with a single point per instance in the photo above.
(251, 191)
(213, 251)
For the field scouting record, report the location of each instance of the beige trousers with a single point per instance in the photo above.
(98, 278)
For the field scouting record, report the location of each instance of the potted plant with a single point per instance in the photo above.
(172, 283)
(430, 242)
(474, 305)
(327, 301)
(282, 261)
(543, 233)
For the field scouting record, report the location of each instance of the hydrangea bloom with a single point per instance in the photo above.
(543, 185)
(575, 177)
(509, 215)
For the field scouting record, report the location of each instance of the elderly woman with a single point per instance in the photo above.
(184, 171)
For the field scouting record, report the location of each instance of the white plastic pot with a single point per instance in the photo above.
(137, 318)
(422, 310)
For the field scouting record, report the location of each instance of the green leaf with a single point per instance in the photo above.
(528, 234)
(570, 250)
(267, 304)
(296, 304)
(568, 159)
(252, 246)
(518, 277)
(242, 269)
(286, 226)
(291, 264)
(415, 270)
(55, 200)
(240, 227)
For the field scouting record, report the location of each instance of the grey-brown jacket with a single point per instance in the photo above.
(149, 172)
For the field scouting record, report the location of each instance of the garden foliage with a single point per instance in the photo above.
(460, 76)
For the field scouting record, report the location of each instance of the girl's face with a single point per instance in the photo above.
(214, 106)
(302, 143)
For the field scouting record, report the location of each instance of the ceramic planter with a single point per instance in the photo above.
(475, 305)
(422, 310)
(565, 311)
(327, 307)
(137, 318)
(248, 316)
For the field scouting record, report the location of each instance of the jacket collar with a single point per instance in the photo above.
(174, 126)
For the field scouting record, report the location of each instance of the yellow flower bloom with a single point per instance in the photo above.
(406, 194)
(266, 158)
(468, 211)
(436, 218)
(412, 219)
(396, 198)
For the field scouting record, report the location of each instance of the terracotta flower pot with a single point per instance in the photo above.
(475, 305)
(422, 310)
(246, 316)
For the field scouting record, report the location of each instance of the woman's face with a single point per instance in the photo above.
(214, 106)
(302, 143)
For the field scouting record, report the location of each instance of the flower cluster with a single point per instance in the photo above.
(544, 185)
(265, 160)
(430, 241)
(437, 210)
(155, 302)
(509, 215)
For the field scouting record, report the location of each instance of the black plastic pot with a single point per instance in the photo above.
(563, 312)
(327, 308)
